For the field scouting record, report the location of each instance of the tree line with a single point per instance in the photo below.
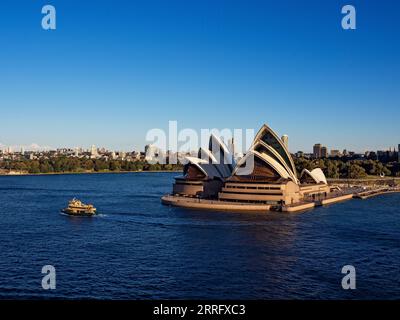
(333, 168)
(351, 169)
(67, 164)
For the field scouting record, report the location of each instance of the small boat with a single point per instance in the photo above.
(77, 208)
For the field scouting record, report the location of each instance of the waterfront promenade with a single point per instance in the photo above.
(354, 192)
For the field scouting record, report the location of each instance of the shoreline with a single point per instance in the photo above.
(333, 181)
(366, 179)
(88, 172)
(219, 205)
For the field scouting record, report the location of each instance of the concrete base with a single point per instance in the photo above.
(373, 193)
(203, 204)
(336, 199)
(299, 207)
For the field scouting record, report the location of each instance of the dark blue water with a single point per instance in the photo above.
(138, 249)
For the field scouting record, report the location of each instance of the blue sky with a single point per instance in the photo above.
(112, 70)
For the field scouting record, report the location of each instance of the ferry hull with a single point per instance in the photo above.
(78, 214)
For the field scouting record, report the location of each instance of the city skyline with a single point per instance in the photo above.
(329, 152)
(109, 75)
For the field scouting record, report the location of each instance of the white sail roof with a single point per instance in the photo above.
(278, 168)
(210, 170)
(219, 149)
(317, 175)
(216, 161)
(207, 155)
(269, 137)
(262, 147)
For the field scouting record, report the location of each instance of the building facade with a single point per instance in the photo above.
(265, 175)
(317, 150)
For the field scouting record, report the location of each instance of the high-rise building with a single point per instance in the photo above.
(285, 140)
(232, 149)
(324, 152)
(151, 152)
(317, 150)
(93, 151)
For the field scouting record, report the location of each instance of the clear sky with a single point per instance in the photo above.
(112, 70)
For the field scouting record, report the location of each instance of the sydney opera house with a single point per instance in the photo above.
(265, 177)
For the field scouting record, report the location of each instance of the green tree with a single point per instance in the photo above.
(332, 169)
(34, 167)
(45, 167)
(115, 165)
(100, 165)
(356, 172)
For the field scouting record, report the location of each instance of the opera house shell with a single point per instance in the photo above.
(205, 175)
(265, 175)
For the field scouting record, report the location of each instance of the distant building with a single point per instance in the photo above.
(299, 154)
(231, 145)
(358, 156)
(93, 152)
(324, 152)
(122, 155)
(398, 153)
(232, 149)
(151, 152)
(372, 155)
(285, 140)
(317, 150)
(388, 155)
(136, 155)
(381, 154)
(335, 153)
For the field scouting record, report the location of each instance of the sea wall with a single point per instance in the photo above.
(387, 181)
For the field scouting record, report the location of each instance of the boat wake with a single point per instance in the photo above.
(97, 215)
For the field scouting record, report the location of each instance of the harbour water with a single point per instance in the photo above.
(137, 248)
